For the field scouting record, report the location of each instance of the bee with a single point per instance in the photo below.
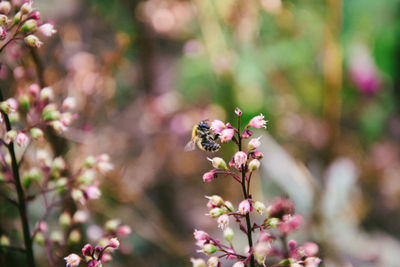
(203, 138)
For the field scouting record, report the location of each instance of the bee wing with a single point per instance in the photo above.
(191, 145)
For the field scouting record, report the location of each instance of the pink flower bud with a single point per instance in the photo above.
(87, 250)
(114, 243)
(34, 90)
(292, 244)
(72, 260)
(22, 139)
(258, 122)
(94, 263)
(216, 200)
(238, 112)
(226, 135)
(240, 159)
(209, 176)
(280, 207)
(124, 230)
(92, 192)
(257, 155)
(47, 29)
(200, 235)
(223, 221)
(69, 103)
(254, 143)
(36, 15)
(106, 257)
(310, 249)
(217, 126)
(290, 223)
(244, 207)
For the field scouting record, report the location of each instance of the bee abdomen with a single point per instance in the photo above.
(210, 146)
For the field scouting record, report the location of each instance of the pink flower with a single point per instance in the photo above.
(217, 126)
(94, 263)
(280, 207)
(47, 29)
(254, 143)
(290, 223)
(106, 257)
(34, 90)
(114, 243)
(244, 207)
(226, 135)
(22, 139)
(209, 176)
(87, 250)
(257, 155)
(223, 221)
(93, 192)
(200, 235)
(312, 262)
(247, 133)
(310, 249)
(240, 159)
(258, 122)
(72, 260)
(124, 230)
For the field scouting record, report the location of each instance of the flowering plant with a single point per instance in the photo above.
(28, 120)
(280, 218)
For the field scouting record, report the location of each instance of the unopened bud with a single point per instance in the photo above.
(39, 239)
(254, 143)
(112, 225)
(198, 262)
(216, 212)
(56, 236)
(218, 163)
(65, 219)
(229, 205)
(47, 94)
(213, 262)
(89, 162)
(26, 8)
(257, 155)
(74, 237)
(33, 41)
(216, 200)
(17, 18)
(58, 126)
(259, 207)
(273, 222)
(36, 133)
(5, 7)
(228, 234)
(5, 107)
(77, 195)
(3, 19)
(209, 249)
(87, 250)
(114, 243)
(4, 241)
(254, 165)
(28, 26)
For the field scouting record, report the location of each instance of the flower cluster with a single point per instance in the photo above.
(31, 166)
(24, 24)
(94, 257)
(279, 220)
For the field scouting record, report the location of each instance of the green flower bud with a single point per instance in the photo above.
(65, 220)
(10, 136)
(219, 163)
(1, 177)
(26, 8)
(111, 225)
(4, 241)
(259, 207)
(61, 185)
(229, 205)
(36, 133)
(3, 20)
(28, 26)
(50, 113)
(216, 200)
(58, 164)
(14, 117)
(5, 107)
(58, 126)
(40, 239)
(33, 41)
(89, 162)
(47, 94)
(272, 222)
(209, 249)
(74, 237)
(212, 262)
(216, 212)
(17, 18)
(228, 234)
(26, 180)
(56, 236)
(254, 165)
(77, 195)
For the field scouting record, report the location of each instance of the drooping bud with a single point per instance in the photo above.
(47, 29)
(218, 163)
(213, 262)
(209, 176)
(226, 135)
(261, 251)
(258, 122)
(69, 103)
(254, 165)
(254, 143)
(114, 243)
(36, 133)
(65, 219)
(26, 8)
(216, 212)
(17, 18)
(259, 207)
(228, 234)
(200, 235)
(244, 207)
(5, 107)
(3, 19)
(216, 200)
(229, 205)
(209, 249)
(257, 155)
(5, 7)
(33, 41)
(240, 159)
(10, 136)
(72, 260)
